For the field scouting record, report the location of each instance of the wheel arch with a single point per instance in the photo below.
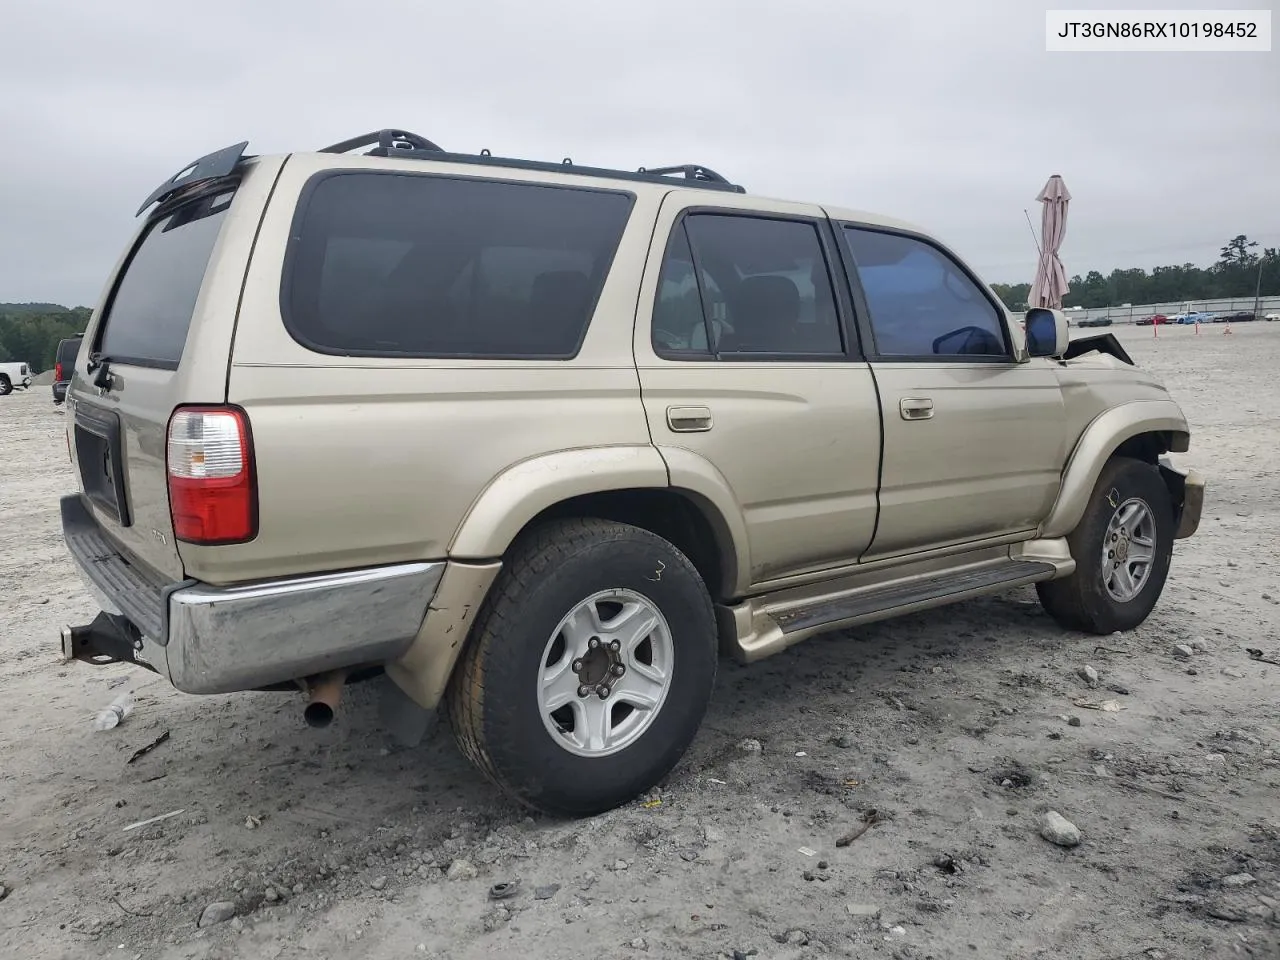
(673, 493)
(1142, 429)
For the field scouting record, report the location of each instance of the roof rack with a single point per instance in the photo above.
(390, 142)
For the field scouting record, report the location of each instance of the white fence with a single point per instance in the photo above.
(1132, 312)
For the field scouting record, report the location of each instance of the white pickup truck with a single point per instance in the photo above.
(14, 376)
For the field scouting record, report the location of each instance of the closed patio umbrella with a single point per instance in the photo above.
(1050, 285)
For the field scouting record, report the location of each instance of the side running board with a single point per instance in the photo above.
(765, 625)
(935, 591)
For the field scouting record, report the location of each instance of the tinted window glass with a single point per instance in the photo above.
(763, 285)
(151, 308)
(67, 350)
(389, 264)
(679, 325)
(921, 303)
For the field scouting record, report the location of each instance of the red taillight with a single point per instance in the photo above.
(57, 372)
(213, 495)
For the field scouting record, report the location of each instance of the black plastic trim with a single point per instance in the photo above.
(211, 166)
(291, 255)
(571, 169)
(1103, 343)
(105, 425)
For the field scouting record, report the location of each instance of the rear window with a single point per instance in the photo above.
(150, 310)
(425, 266)
(67, 350)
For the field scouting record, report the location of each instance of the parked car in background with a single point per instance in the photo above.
(1271, 316)
(65, 365)
(14, 376)
(1094, 322)
(1240, 316)
(1155, 320)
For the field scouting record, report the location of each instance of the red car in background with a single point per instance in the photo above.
(1151, 321)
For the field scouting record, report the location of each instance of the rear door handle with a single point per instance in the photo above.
(689, 419)
(915, 408)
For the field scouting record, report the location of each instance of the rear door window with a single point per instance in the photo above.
(739, 287)
(427, 266)
(150, 309)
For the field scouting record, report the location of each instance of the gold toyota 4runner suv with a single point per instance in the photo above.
(540, 441)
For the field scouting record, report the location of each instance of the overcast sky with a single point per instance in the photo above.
(948, 114)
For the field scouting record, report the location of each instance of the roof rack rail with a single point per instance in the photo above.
(403, 143)
(691, 171)
(387, 141)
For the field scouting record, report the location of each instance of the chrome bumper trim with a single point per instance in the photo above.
(209, 639)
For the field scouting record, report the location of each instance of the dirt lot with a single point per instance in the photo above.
(958, 726)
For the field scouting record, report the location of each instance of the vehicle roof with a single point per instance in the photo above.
(466, 165)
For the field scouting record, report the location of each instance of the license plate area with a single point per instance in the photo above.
(100, 458)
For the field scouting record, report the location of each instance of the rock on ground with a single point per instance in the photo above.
(219, 912)
(1056, 828)
(462, 870)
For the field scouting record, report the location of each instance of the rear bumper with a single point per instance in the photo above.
(208, 639)
(60, 390)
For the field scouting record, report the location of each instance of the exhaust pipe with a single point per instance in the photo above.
(324, 690)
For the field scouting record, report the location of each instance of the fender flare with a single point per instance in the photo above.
(696, 475)
(1098, 442)
(525, 489)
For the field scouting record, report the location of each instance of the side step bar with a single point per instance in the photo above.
(889, 599)
(766, 625)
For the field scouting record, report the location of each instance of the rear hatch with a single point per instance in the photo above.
(159, 340)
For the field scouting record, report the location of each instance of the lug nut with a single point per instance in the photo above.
(1110, 554)
(619, 669)
(584, 691)
(593, 643)
(1115, 537)
(577, 666)
(602, 692)
(615, 645)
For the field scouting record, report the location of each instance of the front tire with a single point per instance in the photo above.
(6, 387)
(589, 669)
(1122, 546)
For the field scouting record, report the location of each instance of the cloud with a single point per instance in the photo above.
(949, 115)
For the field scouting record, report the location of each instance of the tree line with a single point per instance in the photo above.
(1235, 275)
(31, 331)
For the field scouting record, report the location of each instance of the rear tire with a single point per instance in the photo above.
(1129, 517)
(568, 590)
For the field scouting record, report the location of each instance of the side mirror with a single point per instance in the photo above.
(1047, 333)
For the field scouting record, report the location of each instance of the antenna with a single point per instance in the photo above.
(1034, 238)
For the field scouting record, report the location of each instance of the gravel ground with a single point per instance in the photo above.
(960, 727)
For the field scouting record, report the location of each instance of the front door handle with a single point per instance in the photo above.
(915, 408)
(689, 419)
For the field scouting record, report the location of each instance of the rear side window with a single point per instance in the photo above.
(425, 266)
(150, 310)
